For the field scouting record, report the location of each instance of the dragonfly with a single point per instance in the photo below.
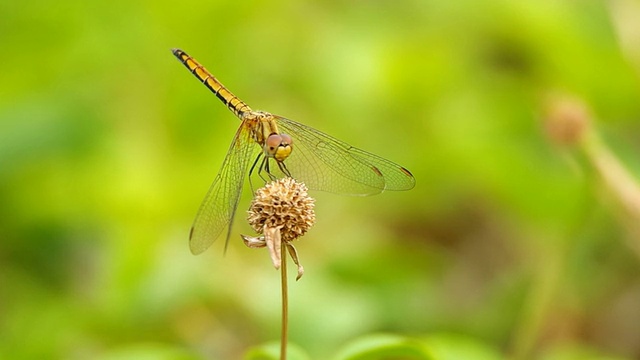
(275, 147)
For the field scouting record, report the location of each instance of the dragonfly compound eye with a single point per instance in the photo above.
(278, 146)
(286, 139)
(272, 144)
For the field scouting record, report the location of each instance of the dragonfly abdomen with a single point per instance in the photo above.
(237, 106)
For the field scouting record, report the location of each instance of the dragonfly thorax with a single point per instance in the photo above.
(265, 132)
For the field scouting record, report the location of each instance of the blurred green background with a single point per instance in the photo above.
(108, 145)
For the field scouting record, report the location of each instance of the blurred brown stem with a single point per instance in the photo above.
(569, 123)
(619, 184)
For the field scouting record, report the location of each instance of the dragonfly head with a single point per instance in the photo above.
(278, 146)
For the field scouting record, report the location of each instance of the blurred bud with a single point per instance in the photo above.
(567, 119)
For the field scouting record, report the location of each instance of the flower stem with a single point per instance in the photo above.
(285, 304)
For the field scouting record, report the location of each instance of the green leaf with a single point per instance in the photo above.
(384, 347)
(455, 347)
(149, 352)
(271, 351)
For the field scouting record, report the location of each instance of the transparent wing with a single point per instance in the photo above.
(219, 205)
(328, 164)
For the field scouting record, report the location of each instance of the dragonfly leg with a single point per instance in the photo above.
(267, 170)
(264, 165)
(283, 168)
(253, 168)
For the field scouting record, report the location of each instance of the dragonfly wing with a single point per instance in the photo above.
(328, 164)
(219, 205)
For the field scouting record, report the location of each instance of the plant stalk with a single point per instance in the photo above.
(285, 303)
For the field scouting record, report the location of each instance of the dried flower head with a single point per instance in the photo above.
(281, 211)
(283, 204)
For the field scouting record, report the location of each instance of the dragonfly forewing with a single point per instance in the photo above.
(221, 202)
(325, 163)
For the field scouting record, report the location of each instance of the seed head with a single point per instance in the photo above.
(282, 204)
